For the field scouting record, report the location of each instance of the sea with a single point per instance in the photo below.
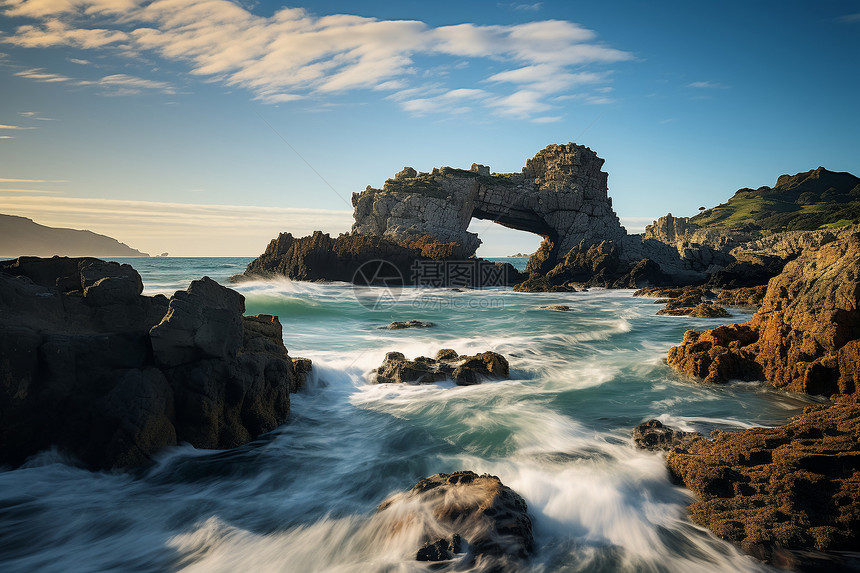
(303, 498)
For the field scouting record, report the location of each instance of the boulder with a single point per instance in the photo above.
(80, 370)
(653, 435)
(204, 321)
(399, 325)
(464, 511)
(463, 370)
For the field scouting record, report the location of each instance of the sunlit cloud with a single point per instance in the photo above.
(15, 127)
(115, 84)
(178, 228)
(6, 137)
(294, 54)
(35, 115)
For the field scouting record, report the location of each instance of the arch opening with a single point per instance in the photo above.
(498, 240)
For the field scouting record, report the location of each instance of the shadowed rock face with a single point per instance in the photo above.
(560, 194)
(464, 511)
(91, 366)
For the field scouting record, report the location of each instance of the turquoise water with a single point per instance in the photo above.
(303, 497)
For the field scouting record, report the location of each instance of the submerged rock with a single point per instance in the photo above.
(408, 324)
(653, 435)
(463, 370)
(111, 376)
(556, 307)
(464, 511)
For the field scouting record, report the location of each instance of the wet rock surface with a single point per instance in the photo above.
(692, 301)
(111, 376)
(769, 489)
(399, 325)
(464, 511)
(653, 435)
(463, 370)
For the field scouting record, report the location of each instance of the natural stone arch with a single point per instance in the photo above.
(560, 194)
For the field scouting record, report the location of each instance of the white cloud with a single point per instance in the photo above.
(293, 54)
(178, 228)
(6, 137)
(35, 115)
(15, 127)
(116, 84)
(40, 75)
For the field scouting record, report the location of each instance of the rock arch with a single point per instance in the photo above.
(560, 194)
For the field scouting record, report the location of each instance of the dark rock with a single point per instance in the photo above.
(653, 435)
(80, 372)
(695, 301)
(556, 307)
(463, 370)
(301, 370)
(408, 324)
(440, 550)
(491, 518)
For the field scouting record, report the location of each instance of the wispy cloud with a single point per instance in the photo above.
(15, 127)
(294, 54)
(28, 191)
(178, 228)
(35, 115)
(849, 18)
(707, 85)
(115, 84)
(6, 137)
(527, 7)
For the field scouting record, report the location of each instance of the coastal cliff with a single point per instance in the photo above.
(100, 371)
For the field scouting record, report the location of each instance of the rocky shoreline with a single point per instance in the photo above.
(96, 369)
(781, 493)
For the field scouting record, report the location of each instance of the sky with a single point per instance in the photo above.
(206, 127)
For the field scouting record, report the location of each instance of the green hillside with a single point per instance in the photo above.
(806, 201)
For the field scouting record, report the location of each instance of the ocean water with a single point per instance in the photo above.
(303, 498)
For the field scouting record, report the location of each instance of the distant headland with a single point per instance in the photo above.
(20, 236)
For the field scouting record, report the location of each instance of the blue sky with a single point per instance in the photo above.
(204, 127)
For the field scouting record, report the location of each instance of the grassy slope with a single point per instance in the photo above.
(810, 200)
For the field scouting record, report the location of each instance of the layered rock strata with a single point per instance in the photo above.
(463, 512)
(93, 367)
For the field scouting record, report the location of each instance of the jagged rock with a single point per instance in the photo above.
(561, 194)
(301, 370)
(695, 301)
(366, 259)
(79, 371)
(795, 487)
(398, 325)
(653, 435)
(743, 296)
(204, 321)
(556, 307)
(463, 370)
(491, 519)
(806, 335)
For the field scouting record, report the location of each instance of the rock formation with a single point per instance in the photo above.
(560, 194)
(463, 370)
(806, 335)
(367, 259)
(465, 512)
(796, 487)
(111, 376)
(777, 491)
(694, 301)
